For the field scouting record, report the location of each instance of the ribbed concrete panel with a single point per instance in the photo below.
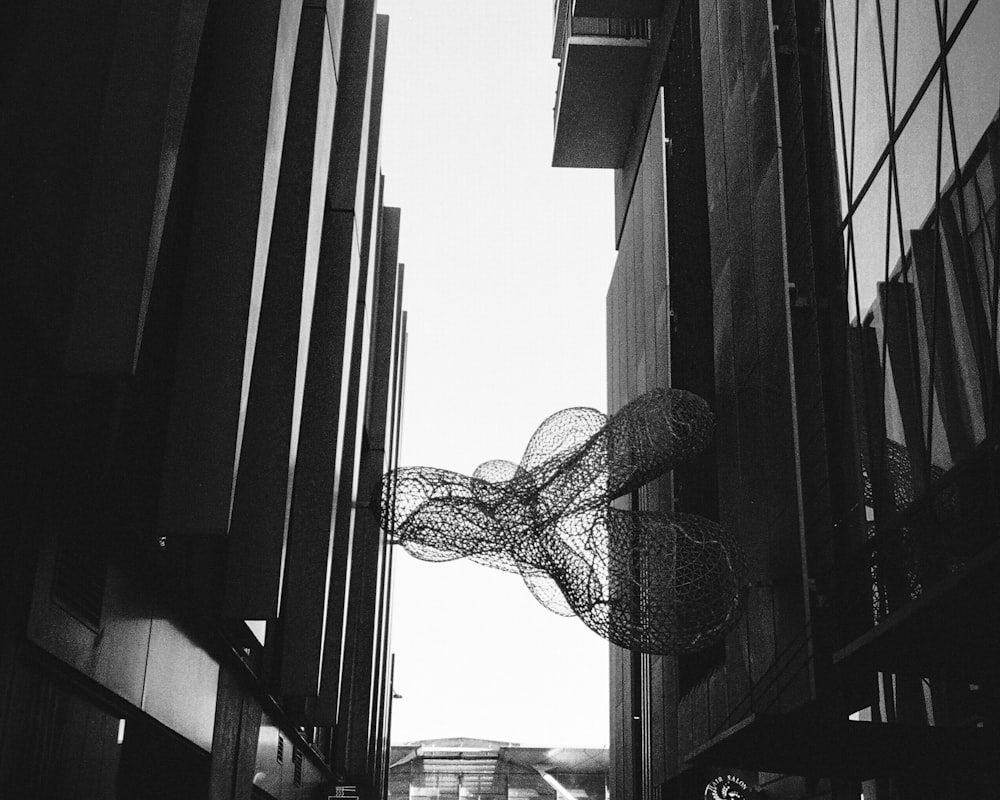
(373, 171)
(365, 680)
(259, 526)
(382, 698)
(349, 157)
(305, 593)
(351, 754)
(360, 473)
(380, 424)
(398, 381)
(246, 108)
(693, 686)
(378, 406)
(335, 24)
(638, 299)
(758, 457)
(322, 551)
(317, 558)
(639, 360)
(359, 481)
(145, 109)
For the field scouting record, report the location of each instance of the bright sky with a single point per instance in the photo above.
(508, 262)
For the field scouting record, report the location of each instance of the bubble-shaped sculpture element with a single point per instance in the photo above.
(649, 581)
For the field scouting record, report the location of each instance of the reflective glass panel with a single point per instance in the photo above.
(917, 161)
(870, 234)
(931, 326)
(911, 44)
(956, 355)
(953, 10)
(841, 18)
(974, 77)
(871, 120)
(838, 100)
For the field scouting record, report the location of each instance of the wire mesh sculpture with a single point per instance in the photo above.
(654, 582)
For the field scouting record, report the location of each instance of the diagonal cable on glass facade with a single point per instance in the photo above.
(928, 371)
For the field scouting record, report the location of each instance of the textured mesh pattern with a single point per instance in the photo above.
(649, 581)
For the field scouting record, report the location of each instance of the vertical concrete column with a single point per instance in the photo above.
(319, 556)
(398, 379)
(384, 352)
(358, 680)
(363, 701)
(309, 535)
(246, 102)
(387, 729)
(145, 109)
(377, 459)
(261, 505)
(381, 698)
(360, 475)
(757, 439)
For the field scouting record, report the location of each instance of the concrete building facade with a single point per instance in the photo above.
(792, 248)
(203, 347)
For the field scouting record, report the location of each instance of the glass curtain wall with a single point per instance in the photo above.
(915, 96)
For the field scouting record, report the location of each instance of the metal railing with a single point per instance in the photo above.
(609, 28)
(921, 539)
(612, 28)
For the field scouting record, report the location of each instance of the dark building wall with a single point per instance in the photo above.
(661, 334)
(916, 135)
(199, 297)
(639, 311)
(757, 436)
(846, 455)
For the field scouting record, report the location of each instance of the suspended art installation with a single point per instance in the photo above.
(650, 581)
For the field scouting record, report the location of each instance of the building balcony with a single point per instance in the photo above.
(812, 743)
(609, 9)
(949, 631)
(602, 66)
(924, 574)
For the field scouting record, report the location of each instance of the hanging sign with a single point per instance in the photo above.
(727, 787)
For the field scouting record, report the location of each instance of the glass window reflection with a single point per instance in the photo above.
(917, 164)
(870, 132)
(912, 45)
(868, 237)
(974, 77)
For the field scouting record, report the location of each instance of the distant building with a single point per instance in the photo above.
(807, 231)
(202, 348)
(479, 769)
